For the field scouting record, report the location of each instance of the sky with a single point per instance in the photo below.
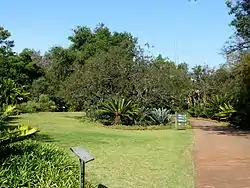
(191, 32)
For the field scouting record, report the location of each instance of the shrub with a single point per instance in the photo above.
(118, 111)
(14, 132)
(225, 112)
(6, 112)
(33, 164)
(29, 107)
(44, 104)
(214, 104)
(143, 117)
(160, 116)
(198, 110)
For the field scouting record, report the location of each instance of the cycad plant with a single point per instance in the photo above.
(118, 110)
(160, 115)
(11, 133)
(10, 93)
(215, 102)
(226, 111)
(5, 112)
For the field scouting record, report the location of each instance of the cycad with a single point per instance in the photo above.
(10, 133)
(160, 115)
(118, 109)
(6, 111)
(215, 102)
(226, 110)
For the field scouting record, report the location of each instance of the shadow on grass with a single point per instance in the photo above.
(102, 186)
(43, 138)
(78, 117)
(11, 150)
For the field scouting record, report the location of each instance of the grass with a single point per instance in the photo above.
(123, 158)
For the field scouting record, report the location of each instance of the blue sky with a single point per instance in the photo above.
(178, 29)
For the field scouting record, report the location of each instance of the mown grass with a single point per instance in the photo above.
(123, 158)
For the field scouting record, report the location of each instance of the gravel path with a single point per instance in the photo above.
(221, 156)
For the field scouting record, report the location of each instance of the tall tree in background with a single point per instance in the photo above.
(240, 10)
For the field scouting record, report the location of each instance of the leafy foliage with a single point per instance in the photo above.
(100, 64)
(6, 111)
(10, 133)
(198, 110)
(241, 22)
(160, 116)
(43, 104)
(225, 112)
(52, 166)
(214, 104)
(118, 110)
(10, 93)
(143, 117)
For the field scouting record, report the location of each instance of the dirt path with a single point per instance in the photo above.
(221, 156)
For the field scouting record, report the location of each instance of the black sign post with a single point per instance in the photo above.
(84, 157)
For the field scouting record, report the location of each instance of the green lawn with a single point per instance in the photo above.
(123, 158)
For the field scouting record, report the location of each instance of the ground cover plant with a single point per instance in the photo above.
(34, 164)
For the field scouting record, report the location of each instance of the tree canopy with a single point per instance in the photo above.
(100, 64)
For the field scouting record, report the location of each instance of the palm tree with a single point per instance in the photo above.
(118, 109)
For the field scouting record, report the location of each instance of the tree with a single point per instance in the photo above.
(23, 67)
(105, 75)
(5, 44)
(240, 9)
(86, 43)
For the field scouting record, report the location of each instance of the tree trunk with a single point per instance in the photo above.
(118, 119)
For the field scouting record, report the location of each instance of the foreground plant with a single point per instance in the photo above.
(34, 164)
(12, 133)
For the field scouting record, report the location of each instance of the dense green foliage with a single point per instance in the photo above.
(33, 164)
(42, 104)
(118, 111)
(100, 65)
(11, 133)
(110, 77)
(240, 10)
(160, 116)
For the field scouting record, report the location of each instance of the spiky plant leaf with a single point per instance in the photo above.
(118, 110)
(160, 115)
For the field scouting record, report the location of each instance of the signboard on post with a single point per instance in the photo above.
(180, 120)
(84, 157)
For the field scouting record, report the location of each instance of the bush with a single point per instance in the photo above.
(33, 164)
(143, 117)
(160, 116)
(198, 110)
(117, 111)
(44, 104)
(10, 133)
(29, 107)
